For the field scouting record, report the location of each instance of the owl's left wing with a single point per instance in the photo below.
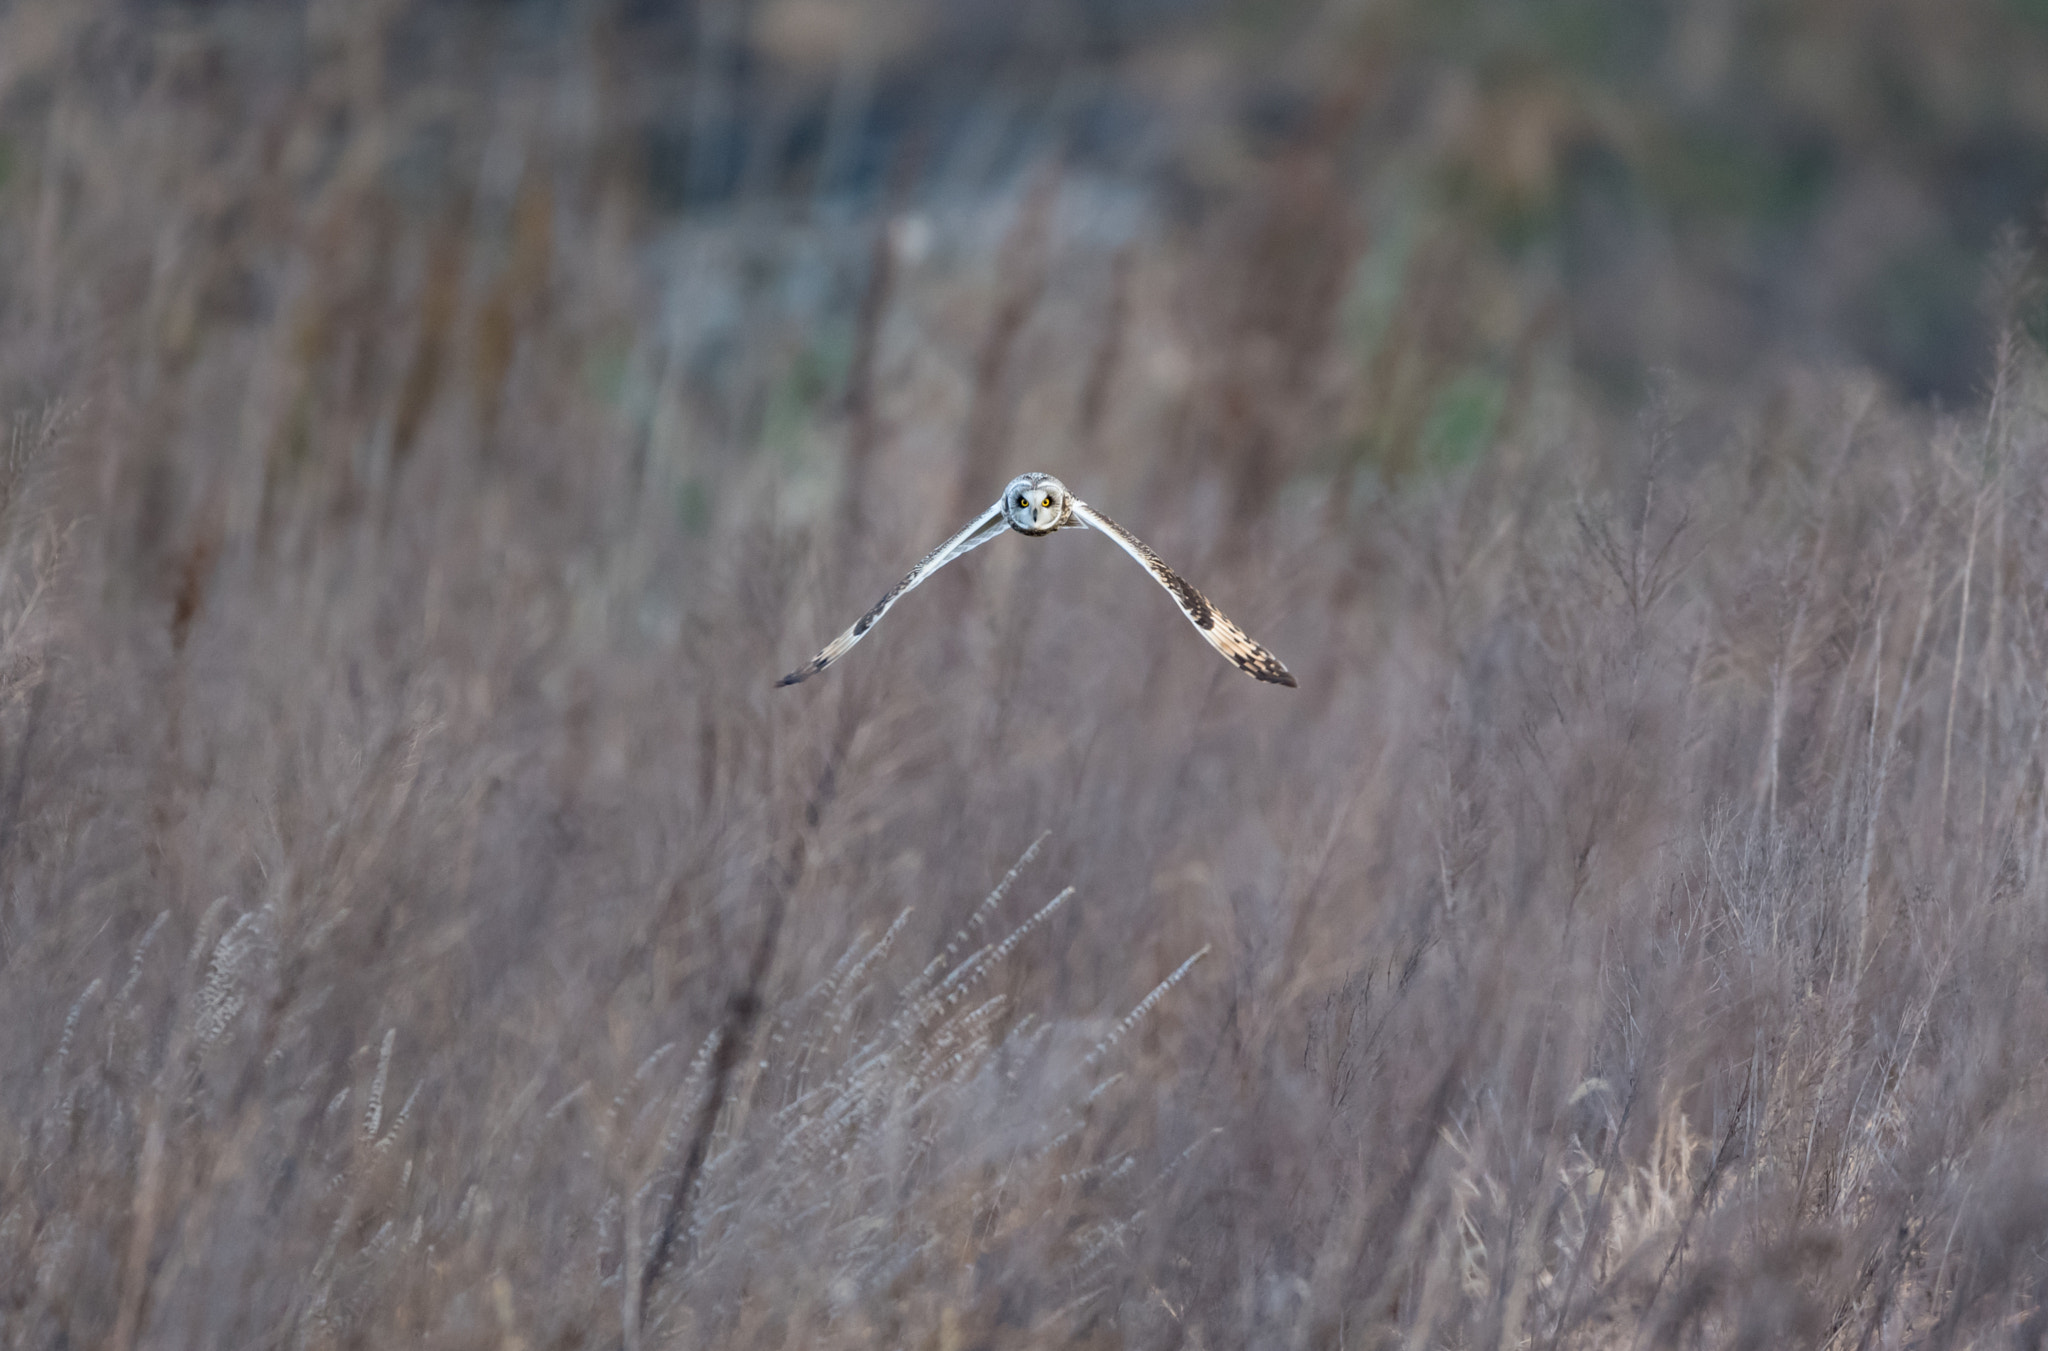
(977, 532)
(1226, 637)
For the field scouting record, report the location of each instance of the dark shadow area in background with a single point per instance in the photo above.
(1817, 174)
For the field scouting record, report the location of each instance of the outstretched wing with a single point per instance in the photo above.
(980, 531)
(1226, 637)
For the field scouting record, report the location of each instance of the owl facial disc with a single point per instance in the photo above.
(1036, 504)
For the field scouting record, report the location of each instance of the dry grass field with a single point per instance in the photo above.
(422, 923)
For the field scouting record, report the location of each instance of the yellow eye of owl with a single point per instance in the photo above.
(1023, 501)
(1047, 502)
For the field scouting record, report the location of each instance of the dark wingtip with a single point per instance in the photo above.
(791, 678)
(1266, 667)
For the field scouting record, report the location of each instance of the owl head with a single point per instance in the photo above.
(1036, 504)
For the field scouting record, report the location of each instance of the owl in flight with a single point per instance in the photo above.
(1038, 504)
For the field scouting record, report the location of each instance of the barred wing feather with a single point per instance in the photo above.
(978, 532)
(1226, 637)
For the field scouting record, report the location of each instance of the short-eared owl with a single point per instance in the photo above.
(1038, 504)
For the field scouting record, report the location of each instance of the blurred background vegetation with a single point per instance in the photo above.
(1459, 190)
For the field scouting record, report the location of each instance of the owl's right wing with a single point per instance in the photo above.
(980, 531)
